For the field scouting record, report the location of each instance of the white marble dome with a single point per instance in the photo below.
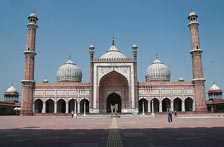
(157, 71)
(214, 87)
(113, 53)
(69, 72)
(11, 89)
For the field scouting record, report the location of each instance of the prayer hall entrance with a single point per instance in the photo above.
(113, 90)
(113, 100)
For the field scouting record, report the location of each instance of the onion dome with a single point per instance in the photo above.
(157, 71)
(113, 53)
(69, 72)
(11, 89)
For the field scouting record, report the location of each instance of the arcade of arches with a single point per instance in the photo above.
(61, 106)
(162, 106)
(113, 90)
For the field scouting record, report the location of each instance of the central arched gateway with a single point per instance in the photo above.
(113, 99)
(114, 89)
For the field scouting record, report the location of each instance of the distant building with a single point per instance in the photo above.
(216, 101)
(113, 81)
(10, 105)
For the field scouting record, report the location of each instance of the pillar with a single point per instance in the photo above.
(66, 107)
(44, 108)
(33, 107)
(160, 106)
(55, 107)
(84, 108)
(183, 106)
(172, 106)
(78, 106)
(153, 107)
(149, 106)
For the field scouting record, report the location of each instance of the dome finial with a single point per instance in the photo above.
(156, 56)
(113, 40)
(70, 56)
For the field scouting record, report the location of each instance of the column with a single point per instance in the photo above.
(84, 109)
(78, 106)
(33, 107)
(171, 106)
(193, 106)
(44, 108)
(55, 107)
(66, 109)
(143, 108)
(153, 107)
(160, 106)
(183, 106)
(149, 106)
(75, 113)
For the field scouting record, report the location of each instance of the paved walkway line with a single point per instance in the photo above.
(113, 139)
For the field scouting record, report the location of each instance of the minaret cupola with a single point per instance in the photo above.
(192, 17)
(32, 18)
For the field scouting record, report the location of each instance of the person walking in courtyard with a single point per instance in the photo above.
(169, 115)
(175, 113)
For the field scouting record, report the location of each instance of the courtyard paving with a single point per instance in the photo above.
(63, 131)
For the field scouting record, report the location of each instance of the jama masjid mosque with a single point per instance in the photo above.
(113, 80)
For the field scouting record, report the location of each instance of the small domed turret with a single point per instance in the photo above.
(215, 92)
(45, 80)
(11, 94)
(32, 18)
(11, 89)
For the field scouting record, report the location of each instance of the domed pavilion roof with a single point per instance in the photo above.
(11, 89)
(214, 89)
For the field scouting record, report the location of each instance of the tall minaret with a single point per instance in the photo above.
(91, 53)
(28, 77)
(198, 78)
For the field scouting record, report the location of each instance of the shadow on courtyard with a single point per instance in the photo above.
(35, 137)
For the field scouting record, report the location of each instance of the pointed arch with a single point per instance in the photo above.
(177, 104)
(38, 106)
(140, 105)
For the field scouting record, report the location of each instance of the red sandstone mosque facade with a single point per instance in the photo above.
(113, 80)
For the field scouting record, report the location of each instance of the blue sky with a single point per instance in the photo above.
(70, 26)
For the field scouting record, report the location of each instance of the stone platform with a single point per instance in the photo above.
(61, 131)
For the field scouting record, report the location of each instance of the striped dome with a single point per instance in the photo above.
(157, 71)
(69, 72)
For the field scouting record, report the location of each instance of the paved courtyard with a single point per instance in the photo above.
(62, 131)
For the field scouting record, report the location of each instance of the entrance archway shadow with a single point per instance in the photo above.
(113, 99)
